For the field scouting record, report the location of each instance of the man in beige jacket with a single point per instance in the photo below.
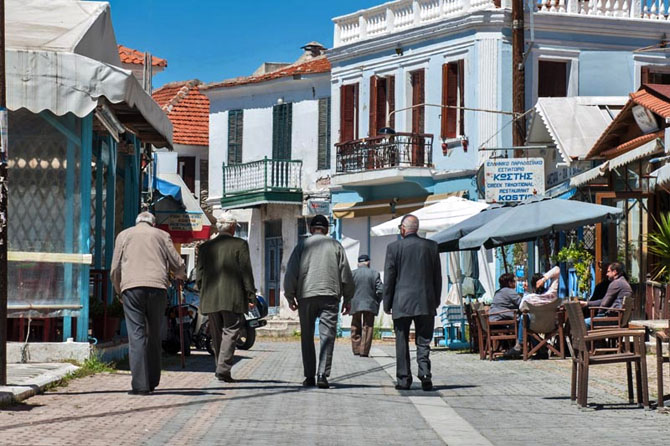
(143, 258)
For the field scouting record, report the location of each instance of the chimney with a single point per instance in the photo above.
(312, 50)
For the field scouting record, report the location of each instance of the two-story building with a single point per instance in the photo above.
(422, 93)
(271, 133)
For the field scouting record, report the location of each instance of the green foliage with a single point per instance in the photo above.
(89, 367)
(519, 254)
(659, 245)
(96, 309)
(581, 259)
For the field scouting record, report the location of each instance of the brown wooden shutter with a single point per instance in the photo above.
(374, 80)
(347, 113)
(418, 95)
(461, 96)
(382, 98)
(450, 83)
(390, 94)
(644, 75)
(552, 79)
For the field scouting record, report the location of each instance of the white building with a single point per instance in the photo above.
(269, 157)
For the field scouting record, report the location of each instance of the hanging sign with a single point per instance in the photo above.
(513, 179)
(315, 206)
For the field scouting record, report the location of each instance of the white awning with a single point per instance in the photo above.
(662, 176)
(590, 175)
(635, 154)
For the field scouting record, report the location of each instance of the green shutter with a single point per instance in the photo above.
(235, 131)
(282, 119)
(324, 134)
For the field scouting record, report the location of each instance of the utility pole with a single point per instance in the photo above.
(518, 75)
(3, 203)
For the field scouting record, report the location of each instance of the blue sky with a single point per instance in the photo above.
(218, 39)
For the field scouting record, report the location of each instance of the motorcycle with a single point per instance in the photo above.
(196, 324)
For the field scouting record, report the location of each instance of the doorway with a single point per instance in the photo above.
(273, 257)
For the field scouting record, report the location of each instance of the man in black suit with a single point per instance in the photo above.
(412, 287)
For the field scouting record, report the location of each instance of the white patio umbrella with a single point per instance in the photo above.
(435, 217)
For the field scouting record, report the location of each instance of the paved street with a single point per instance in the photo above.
(477, 402)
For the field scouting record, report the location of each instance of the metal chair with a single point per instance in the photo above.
(583, 358)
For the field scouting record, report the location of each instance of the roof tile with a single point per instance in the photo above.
(188, 110)
(134, 57)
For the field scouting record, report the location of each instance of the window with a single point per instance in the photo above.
(186, 170)
(417, 81)
(324, 134)
(655, 75)
(235, 130)
(453, 95)
(348, 112)
(552, 79)
(382, 102)
(282, 119)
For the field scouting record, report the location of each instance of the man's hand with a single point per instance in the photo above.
(540, 282)
(292, 303)
(583, 303)
(387, 311)
(252, 305)
(346, 308)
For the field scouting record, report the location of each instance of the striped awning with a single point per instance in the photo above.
(645, 149)
(662, 176)
(590, 175)
(381, 207)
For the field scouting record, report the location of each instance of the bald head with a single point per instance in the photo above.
(409, 225)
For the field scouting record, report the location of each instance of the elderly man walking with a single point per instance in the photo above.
(143, 258)
(227, 291)
(412, 287)
(316, 277)
(364, 306)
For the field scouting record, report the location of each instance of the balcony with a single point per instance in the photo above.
(403, 15)
(260, 182)
(384, 159)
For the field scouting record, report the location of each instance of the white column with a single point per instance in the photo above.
(488, 80)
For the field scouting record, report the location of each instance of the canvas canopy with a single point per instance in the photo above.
(447, 239)
(178, 212)
(434, 217)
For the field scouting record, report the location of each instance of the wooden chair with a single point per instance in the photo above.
(493, 333)
(661, 337)
(582, 357)
(473, 324)
(543, 323)
(614, 318)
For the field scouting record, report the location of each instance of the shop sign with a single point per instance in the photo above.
(513, 179)
(314, 207)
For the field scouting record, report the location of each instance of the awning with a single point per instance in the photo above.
(178, 212)
(635, 154)
(662, 176)
(590, 175)
(435, 217)
(381, 207)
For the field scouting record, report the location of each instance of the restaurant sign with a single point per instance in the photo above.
(513, 179)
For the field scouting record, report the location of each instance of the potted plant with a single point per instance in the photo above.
(659, 245)
(104, 328)
(581, 259)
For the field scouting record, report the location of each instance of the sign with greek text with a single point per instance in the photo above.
(513, 179)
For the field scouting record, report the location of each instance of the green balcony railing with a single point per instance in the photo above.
(263, 176)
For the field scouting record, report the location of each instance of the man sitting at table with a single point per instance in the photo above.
(617, 289)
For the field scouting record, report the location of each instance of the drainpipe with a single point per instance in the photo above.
(518, 74)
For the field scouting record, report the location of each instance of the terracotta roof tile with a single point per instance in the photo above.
(655, 97)
(188, 110)
(317, 65)
(630, 145)
(134, 57)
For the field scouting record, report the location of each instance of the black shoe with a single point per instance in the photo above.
(363, 356)
(542, 354)
(401, 387)
(309, 382)
(512, 353)
(225, 377)
(356, 353)
(426, 384)
(139, 392)
(322, 382)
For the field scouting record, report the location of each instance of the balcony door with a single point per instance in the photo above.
(417, 80)
(282, 125)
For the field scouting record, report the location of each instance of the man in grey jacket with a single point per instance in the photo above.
(143, 258)
(364, 306)
(412, 288)
(316, 277)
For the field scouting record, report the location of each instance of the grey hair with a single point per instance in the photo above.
(224, 226)
(145, 217)
(410, 223)
(364, 263)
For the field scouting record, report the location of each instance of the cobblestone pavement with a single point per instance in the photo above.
(507, 402)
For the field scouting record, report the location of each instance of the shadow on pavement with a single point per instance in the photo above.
(19, 407)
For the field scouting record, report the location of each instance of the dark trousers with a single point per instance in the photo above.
(423, 328)
(225, 327)
(144, 308)
(326, 309)
(362, 329)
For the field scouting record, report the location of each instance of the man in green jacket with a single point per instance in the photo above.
(227, 291)
(317, 275)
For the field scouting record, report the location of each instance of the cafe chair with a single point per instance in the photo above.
(494, 334)
(583, 358)
(662, 336)
(613, 318)
(543, 324)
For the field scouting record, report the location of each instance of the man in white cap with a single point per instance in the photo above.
(227, 291)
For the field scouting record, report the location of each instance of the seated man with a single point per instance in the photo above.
(617, 289)
(506, 298)
(540, 295)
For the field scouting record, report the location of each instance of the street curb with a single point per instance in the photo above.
(13, 394)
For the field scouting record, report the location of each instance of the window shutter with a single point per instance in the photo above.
(644, 75)
(235, 132)
(552, 79)
(348, 112)
(282, 119)
(450, 97)
(390, 94)
(418, 92)
(323, 161)
(373, 127)
(382, 99)
(461, 96)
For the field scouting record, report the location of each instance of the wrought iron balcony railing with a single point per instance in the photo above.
(266, 175)
(381, 152)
